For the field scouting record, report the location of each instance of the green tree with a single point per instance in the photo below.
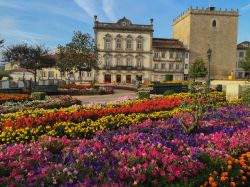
(78, 55)
(29, 57)
(245, 64)
(4, 73)
(198, 69)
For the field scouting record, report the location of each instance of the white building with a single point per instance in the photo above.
(241, 54)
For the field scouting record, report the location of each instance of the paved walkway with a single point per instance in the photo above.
(104, 98)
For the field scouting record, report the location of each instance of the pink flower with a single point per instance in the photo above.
(162, 173)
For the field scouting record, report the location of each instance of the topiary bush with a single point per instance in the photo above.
(246, 97)
(168, 92)
(144, 94)
(38, 95)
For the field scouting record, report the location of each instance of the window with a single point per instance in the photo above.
(89, 74)
(51, 74)
(128, 78)
(139, 44)
(170, 66)
(108, 43)
(171, 55)
(129, 61)
(118, 43)
(177, 55)
(163, 66)
(42, 73)
(107, 61)
(241, 54)
(186, 66)
(119, 61)
(62, 74)
(177, 66)
(163, 54)
(156, 55)
(129, 42)
(139, 62)
(82, 73)
(240, 74)
(186, 55)
(214, 24)
(155, 77)
(156, 66)
(124, 24)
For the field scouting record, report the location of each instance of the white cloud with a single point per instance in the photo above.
(7, 23)
(245, 8)
(88, 6)
(28, 37)
(98, 7)
(108, 8)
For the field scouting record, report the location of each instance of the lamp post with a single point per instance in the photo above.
(209, 53)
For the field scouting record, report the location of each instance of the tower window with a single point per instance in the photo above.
(214, 23)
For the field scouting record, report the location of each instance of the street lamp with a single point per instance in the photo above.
(209, 53)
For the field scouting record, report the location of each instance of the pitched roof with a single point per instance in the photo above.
(243, 45)
(22, 70)
(167, 43)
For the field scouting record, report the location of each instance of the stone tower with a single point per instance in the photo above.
(201, 29)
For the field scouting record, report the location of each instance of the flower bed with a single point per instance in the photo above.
(78, 122)
(14, 97)
(48, 103)
(72, 89)
(153, 153)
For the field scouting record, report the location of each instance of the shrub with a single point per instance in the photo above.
(168, 77)
(168, 92)
(143, 94)
(38, 95)
(246, 97)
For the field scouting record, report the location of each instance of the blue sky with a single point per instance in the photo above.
(52, 22)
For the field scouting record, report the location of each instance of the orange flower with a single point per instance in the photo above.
(224, 174)
(241, 171)
(210, 179)
(223, 179)
(232, 184)
(244, 178)
(230, 162)
(236, 161)
(214, 184)
(229, 167)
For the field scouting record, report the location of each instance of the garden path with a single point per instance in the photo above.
(86, 99)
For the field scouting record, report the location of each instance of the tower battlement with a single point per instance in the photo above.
(206, 11)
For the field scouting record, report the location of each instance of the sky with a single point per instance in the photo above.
(52, 22)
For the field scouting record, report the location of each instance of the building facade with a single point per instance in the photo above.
(201, 29)
(124, 51)
(241, 54)
(170, 57)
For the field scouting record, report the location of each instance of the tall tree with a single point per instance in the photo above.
(29, 57)
(198, 69)
(245, 64)
(79, 55)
